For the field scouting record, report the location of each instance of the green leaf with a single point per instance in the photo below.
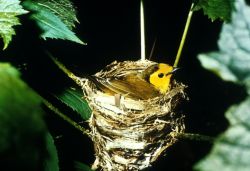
(74, 99)
(63, 9)
(51, 22)
(231, 150)
(215, 9)
(82, 167)
(22, 129)
(232, 62)
(9, 9)
(51, 163)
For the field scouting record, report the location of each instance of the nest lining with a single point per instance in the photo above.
(133, 134)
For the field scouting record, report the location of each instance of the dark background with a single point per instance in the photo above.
(111, 29)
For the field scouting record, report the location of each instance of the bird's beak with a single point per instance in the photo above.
(173, 71)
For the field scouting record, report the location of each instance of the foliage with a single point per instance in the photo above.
(25, 143)
(231, 150)
(82, 167)
(51, 163)
(51, 21)
(56, 19)
(63, 9)
(215, 9)
(22, 129)
(73, 98)
(9, 9)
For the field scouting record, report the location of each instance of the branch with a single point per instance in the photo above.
(196, 137)
(66, 71)
(64, 117)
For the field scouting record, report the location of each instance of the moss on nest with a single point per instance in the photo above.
(133, 134)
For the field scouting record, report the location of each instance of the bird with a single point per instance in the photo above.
(150, 83)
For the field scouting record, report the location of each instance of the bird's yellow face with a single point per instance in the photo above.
(160, 78)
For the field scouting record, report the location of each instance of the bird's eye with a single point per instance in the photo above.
(160, 75)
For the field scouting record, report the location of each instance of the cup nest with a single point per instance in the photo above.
(131, 134)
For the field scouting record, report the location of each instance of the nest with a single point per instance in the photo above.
(131, 135)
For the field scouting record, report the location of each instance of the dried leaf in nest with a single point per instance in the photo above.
(131, 135)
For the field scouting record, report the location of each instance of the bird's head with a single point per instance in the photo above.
(159, 75)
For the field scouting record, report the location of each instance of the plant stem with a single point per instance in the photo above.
(184, 35)
(143, 46)
(66, 71)
(54, 109)
(196, 137)
(63, 116)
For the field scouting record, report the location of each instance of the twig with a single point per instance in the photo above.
(66, 71)
(184, 35)
(196, 137)
(63, 116)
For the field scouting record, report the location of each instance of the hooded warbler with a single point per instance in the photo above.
(150, 83)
